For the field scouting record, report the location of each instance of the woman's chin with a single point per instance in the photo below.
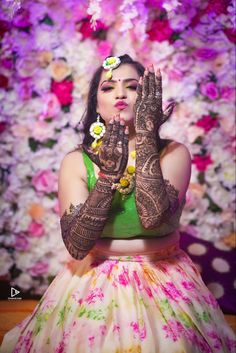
(128, 118)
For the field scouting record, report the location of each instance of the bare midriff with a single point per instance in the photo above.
(136, 245)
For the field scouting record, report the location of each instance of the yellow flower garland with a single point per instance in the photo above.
(127, 181)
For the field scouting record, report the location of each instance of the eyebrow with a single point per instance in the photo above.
(125, 80)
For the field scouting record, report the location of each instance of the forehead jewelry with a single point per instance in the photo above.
(110, 63)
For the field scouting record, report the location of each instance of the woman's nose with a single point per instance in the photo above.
(121, 92)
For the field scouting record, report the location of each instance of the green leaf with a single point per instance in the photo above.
(24, 29)
(50, 279)
(201, 177)
(198, 140)
(100, 34)
(212, 205)
(214, 115)
(175, 36)
(33, 144)
(65, 108)
(48, 120)
(47, 20)
(49, 143)
(51, 195)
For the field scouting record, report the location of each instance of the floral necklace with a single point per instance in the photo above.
(127, 181)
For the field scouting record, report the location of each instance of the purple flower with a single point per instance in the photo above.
(205, 54)
(210, 90)
(39, 268)
(21, 242)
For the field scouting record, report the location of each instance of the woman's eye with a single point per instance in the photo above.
(133, 88)
(106, 88)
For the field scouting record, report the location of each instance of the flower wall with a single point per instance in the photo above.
(49, 52)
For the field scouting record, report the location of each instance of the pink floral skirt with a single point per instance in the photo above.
(111, 303)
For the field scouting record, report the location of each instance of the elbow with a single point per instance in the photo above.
(150, 223)
(76, 253)
(75, 250)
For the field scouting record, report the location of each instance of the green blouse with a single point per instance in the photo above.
(123, 221)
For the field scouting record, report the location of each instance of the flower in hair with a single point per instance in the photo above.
(110, 63)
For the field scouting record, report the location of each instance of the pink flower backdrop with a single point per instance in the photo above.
(49, 52)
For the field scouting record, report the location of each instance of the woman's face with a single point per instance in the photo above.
(118, 95)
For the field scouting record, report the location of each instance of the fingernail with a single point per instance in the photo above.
(140, 80)
(151, 69)
(158, 72)
(126, 130)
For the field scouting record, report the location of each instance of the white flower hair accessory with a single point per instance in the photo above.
(110, 63)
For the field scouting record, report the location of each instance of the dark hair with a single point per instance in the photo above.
(90, 115)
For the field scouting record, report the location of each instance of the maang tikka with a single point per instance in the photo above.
(110, 63)
(97, 131)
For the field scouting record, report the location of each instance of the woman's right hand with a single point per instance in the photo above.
(112, 156)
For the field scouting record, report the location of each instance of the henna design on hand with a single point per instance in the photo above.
(112, 156)
(149, 115)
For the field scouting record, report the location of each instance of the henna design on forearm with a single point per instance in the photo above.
(156, 198)
(84, 224)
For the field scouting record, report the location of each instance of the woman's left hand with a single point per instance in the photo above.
(149, 115)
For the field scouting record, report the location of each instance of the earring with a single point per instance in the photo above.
(97, 130)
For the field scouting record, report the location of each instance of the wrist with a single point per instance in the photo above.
(111, 178)
(146, 133)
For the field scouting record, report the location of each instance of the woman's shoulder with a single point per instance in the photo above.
(73, 161)
(174, 148)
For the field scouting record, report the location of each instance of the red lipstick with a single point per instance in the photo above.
(121, 105)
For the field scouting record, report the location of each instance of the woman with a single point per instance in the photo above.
(128, 286)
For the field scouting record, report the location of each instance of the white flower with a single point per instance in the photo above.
(68, 140)
(160, 51)
(42, 131)
(228, 174)
(42, 159)
(22, 150)
(42, 82)
(122, 44)
(177, 89)
(6, 262)
(50, 222)
(24, 281)
(21, 220)
(25, 260)
(76, 113)
(22, 170)
(45, 37)
(11, 104)
(219, 195)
